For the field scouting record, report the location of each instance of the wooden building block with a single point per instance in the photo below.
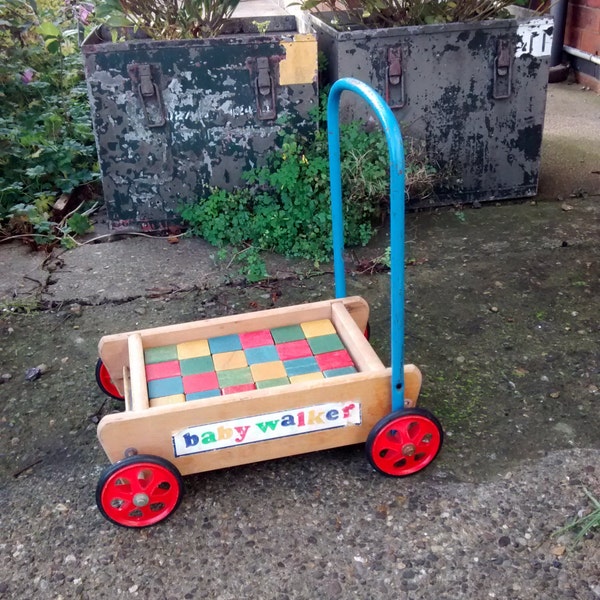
(193, 366)
(243, 387)
(253, 339)
(325, 343)
(300, 366)
(165, 400)
(193, 349)
(229, 360)
(170, 386)
(306, 377)
(261, 354)
(160, 354)
(269, 383)
(288, 333)
(203, 395)
(200, 382)
(163, 370)
(225, 343)
(316, 328)
(234, 377)
(291, 350)
(266, 371)
(334, 360)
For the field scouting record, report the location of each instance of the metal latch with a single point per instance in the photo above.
(503, 71)
(150, 96)
(394, 79)
(264, 87)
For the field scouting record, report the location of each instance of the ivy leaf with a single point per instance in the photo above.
(49, 30)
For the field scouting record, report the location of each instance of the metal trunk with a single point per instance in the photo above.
(173, 119)
(474, 93)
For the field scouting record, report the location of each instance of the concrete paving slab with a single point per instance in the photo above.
(23, 276)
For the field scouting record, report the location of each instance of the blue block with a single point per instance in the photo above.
(261, 354)
(340, 371)
(225, 343)
(165, 387)
(202, 395)
(301, 366)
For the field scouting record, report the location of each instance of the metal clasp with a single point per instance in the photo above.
(264, 88)
(151, 98)
(394, 79)
(503, 71)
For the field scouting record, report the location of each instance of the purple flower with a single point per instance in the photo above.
(84, 11)
(27, 76)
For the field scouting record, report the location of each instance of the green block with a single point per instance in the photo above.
(289, 333)
(193, 366)
(272, 383)
(160, 354)
(233, 377)
(325, 343)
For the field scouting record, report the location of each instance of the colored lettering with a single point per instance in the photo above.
(332, 415)
(264, 427)
(346, 410)
(315, 417)
(208, 437)
(224, 433)
(190, 439)
(287, 420)
(242, 431)
(300, 419)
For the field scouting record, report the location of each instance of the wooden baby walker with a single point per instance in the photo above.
(246, 388)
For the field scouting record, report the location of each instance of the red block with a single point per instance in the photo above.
(291, 350)
(244, 387)
(200, 382)
(256, 338)
(334, 360)
(163, 370)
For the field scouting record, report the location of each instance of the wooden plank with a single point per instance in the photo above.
(412, 385)
(151, 431)
(353, 337)
(137, 373)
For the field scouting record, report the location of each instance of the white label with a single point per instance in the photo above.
(248, 430)
(533, 38)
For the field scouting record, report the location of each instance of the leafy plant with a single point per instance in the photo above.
(585, 523)
(46, 142)
(168, 19)
(285, 208)
(392, 13)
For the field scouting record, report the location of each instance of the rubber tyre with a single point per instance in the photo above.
(404, 442)
(105, 382)
(139, 491)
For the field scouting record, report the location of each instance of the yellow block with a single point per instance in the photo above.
(306, 377)
(193, 349)
(230, 360)
(268, 370)
(164, 400)
(317, 328)
(300, 62)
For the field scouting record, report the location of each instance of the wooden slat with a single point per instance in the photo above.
(353, 337)
(150, 431)
(137, 371)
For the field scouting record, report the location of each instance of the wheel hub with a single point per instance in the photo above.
(140, 500)
(408, 450)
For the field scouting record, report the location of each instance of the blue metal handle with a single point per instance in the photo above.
(397, 208)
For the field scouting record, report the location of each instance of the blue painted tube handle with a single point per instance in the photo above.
(395, 145)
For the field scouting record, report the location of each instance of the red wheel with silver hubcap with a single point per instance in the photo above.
(105, 382)
(139, 491)
(404, 442)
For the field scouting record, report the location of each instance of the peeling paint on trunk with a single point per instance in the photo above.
(475, 93)
(174, 119)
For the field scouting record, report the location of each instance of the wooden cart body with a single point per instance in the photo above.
(256, 425)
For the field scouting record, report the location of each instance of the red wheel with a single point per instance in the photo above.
(139, 491)
(105, 382)
(404, 442)
(367, 332)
